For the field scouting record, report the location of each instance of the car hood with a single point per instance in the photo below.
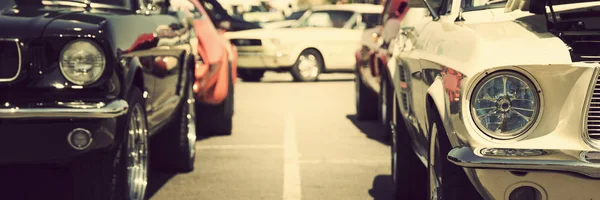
(33, 21)
(26, 21)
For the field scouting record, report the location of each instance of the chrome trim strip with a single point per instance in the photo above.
(586, 110)
(113, 109)
(82, 4)
(16, 41)
(548, 161)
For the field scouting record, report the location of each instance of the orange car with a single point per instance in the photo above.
(215, 73)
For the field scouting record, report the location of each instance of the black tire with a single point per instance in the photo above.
(173, 149)
(216, 119)
(366, 100)
(103, 175)
(385, 107)
(456, 184)
(296, 71)
(408, 173)
(251, 75)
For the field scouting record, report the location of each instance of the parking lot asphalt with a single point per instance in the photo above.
(290, 141)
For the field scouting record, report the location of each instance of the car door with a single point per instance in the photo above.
(413, 38)
(166, 63)
(334, 36)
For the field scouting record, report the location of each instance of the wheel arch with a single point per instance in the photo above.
(435, 105)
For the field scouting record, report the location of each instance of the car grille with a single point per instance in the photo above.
(10, 60)
(246, 42)
(593, 118)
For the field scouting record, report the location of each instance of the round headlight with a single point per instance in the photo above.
(82, 62)
(504, 105)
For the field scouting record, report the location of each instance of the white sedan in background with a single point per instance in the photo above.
(323, 41)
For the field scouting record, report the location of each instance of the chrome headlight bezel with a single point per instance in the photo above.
(515, 74)
(66, 74)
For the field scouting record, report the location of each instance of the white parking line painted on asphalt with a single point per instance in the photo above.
(344, 161)
(240, 146)
(291, 167)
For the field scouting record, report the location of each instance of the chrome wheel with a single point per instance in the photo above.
(384, 102)
(394, 154)
(137, 154)
(308, 66)
(435, 166)
(191, 127)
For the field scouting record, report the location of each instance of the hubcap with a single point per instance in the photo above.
(308, 66)
(137, 154)
(191, 126)
(435, 167)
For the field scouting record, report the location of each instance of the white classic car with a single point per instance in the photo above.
(322, 41)
(252, 10)
(498, 100)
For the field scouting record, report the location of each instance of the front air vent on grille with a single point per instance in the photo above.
(10, 60)
(593, 118)
(246, 42)
(402, 73)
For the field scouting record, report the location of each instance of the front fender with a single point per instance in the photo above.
(131, 67)
(438, 103)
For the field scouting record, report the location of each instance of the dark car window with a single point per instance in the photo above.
(435, 4)
(329, 19)
(370, 20)
(295, 15)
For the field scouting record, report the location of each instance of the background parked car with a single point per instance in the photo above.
(97, 93)
(323, 41)
(473, 122)
(254, 10)
(372, 74)
(288, 22)
(215, 74)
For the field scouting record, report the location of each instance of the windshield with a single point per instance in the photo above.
(328, 19)
(295, 15)
(370, 20)
(258, 9)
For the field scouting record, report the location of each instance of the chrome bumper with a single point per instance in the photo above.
(66, 110)
(581, 162)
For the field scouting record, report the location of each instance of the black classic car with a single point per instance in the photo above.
(96, 86)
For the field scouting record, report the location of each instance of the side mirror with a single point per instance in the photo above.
(224, 25)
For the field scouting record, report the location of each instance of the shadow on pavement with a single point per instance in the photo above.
(292, 81)
(35, 182)
(373, 129)
(156, 180)
(383, 188)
